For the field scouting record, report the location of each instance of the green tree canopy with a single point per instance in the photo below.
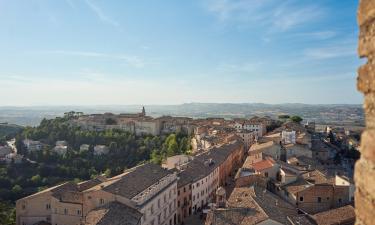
(296, 119)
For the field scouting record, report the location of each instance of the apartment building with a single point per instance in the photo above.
(148, 190)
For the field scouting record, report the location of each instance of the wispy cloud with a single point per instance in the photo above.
(272, 14)
(100, 14)
(289, 15)
(318, 35)
(130, 60)
(330, 52)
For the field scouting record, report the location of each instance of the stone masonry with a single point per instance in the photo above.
(365, 167)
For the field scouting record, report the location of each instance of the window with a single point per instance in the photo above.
(152, 209)
(101, 201)
(184, 189)
(65, 211)
(301, 199)
(48, 206)
(340, 200)
(78, 212)
(319, 199)
(23, 206)
(266, 174)
(178, 204)
(178, 192)
(159, 202)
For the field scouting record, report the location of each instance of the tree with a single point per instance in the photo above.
(17, 189)
(7, 214)
(107, 172)
(36, 179)
(172, 148)
(284, 117)
(156, 157)
(296, 119)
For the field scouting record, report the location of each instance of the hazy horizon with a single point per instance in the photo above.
(185, 103)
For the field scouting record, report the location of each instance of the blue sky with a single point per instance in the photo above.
(101, 52)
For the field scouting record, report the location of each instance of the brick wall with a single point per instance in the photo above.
(365, 167)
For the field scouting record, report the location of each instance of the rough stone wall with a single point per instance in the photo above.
(365, 167)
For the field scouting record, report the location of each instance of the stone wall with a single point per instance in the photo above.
(365, 167)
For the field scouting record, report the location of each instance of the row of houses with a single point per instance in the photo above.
(140, 124)
(137, 123)
(147, 194)
(257, 206)
(61, 147)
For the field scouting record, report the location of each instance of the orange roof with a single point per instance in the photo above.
(264, 164)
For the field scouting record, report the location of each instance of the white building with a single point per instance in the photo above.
(84, 148)
(60, 149)
(247, 125)
(61, 143)
(205, 173)
(288, 137)
(32, 145)
(101, 150)
(248, 137)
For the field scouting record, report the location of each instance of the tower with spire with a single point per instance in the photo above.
(143, 111)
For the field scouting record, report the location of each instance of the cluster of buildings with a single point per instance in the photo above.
(237, 174)
(147, 194)
(8, 153)
(137, 123)
(284, 180)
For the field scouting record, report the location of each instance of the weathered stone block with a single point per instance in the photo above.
(366, 78)
(366, 11)
(365, 176)
(369, 106)
(364, 207)
(368, 145)
(366, 44)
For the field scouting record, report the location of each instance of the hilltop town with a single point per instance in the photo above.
(257, 170)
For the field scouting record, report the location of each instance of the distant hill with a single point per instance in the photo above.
(329, 113)
(9, 129)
